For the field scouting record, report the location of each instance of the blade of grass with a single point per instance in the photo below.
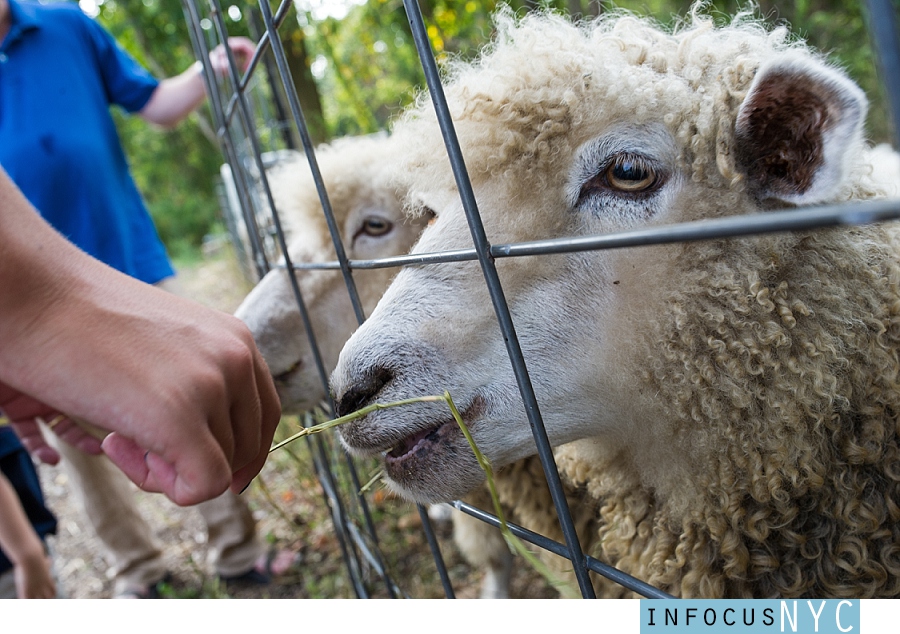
(515, 544)
(375, 478)
(360, 413)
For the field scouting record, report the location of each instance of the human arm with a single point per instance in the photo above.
(185, 392)
(176, 97)
(23, 547)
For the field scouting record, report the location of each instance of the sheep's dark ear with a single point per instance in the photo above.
(794, 128)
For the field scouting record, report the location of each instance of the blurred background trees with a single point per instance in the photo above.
(355, 68)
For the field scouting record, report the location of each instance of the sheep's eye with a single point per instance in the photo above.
(630, 174)
(624, 175)
(375, 226)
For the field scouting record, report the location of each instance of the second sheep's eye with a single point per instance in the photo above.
(375, 226)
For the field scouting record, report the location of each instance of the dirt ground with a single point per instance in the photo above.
(287, 502)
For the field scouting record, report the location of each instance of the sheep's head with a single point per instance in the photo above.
(368, 210)
(571, 131)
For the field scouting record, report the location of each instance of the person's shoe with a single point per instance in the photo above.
(150, 591)
(274, 564)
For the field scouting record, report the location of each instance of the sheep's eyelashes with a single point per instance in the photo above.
(624, 175)
(630, 175)
(374, 226)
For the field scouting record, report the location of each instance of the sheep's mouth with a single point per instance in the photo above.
(420, 443)
(426, 448)
(282, 378)
(406, 446)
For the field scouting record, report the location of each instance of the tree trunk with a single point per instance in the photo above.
(294, 42)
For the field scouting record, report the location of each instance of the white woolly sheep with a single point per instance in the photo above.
(730, 406)
(368, 209)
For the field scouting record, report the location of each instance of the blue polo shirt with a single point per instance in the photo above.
(60, 72)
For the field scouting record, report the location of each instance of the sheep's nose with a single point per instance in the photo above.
(363, 391)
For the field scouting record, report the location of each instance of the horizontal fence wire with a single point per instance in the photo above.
(235, 129)
(805, 219)
(611, 573)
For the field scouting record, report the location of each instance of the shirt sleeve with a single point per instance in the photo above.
(127, 83)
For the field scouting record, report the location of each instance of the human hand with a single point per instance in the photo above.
(188, 399)
(241, 47)
(34, 579)
(217, 424)
(183, 388)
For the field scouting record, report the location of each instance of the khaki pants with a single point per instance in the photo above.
(107, 499)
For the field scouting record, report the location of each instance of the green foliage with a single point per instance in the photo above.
(839, 29)
(368, 69)
(356, 72)
(366, 65)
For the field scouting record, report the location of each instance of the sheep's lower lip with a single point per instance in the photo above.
(419, 442)
(415, 443)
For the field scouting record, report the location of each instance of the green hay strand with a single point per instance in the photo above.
(515, 544)
(360, 413)
(368, 485)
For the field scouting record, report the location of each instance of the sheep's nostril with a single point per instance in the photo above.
(363, 391)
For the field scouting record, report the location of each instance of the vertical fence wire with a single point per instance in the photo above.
(214, 95)
(882, 23)
(501, 308)
(300, 122)
(357, 548)
(224, 120)
(361, 550)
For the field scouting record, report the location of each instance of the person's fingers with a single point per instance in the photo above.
(128, 456)
(195, 478)
(20, 407)
(33, 440)
(27, 429)
(81, 435)
(147, 470)
(245, 413)
(196, 466)
(200, 472)
(242, 46)
(45, 454)
(161, 476)
(269, 416)
(24, 412)
(218, 61)
(242, 53)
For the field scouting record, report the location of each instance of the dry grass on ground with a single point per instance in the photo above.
(289, 506)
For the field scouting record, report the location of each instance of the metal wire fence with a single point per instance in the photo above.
(250, 143)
